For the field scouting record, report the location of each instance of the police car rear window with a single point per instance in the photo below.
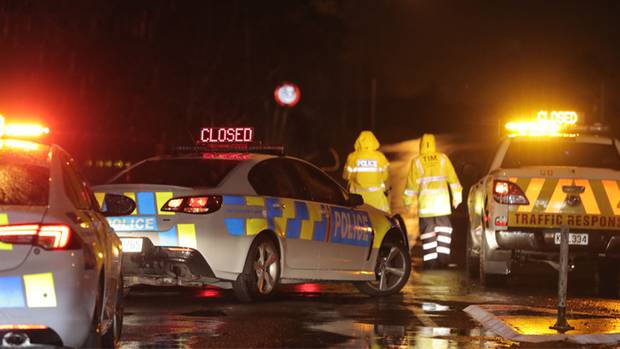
(24, 184)
(556, 152)
(195, 173)
(24, 173)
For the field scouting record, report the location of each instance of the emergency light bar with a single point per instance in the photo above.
(232, 149)
(22, 130)
(547, 124)
(553, 124)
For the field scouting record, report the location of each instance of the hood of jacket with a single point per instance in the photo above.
(366, 141)
(427, 144)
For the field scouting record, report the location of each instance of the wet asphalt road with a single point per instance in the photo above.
(428, 314)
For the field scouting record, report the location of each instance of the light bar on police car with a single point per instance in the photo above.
(21, 130)
(547, 123)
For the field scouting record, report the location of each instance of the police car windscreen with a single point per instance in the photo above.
(554, 152)
(24, 177)
(195, 173)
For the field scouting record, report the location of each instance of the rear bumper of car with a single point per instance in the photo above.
(166, 266)
(544, 240)
(53, 290)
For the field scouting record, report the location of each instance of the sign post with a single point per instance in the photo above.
(287, 95)
(561, 325)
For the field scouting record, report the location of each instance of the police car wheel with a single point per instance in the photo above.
(261, 273)
(393, 269)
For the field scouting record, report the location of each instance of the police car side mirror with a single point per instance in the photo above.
(117, 205)
(355, 200)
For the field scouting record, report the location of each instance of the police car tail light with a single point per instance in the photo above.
(509, 193)
(49, 237)
(194, 204)
(52, 237)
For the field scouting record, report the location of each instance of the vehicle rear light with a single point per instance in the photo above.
(53, 237)
(49, 237)
(22, 327)
(509, 193)
(194, 204)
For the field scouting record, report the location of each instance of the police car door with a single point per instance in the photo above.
(349, 231)
(288, 214)
(90, 221)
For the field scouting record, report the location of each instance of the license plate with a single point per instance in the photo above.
(132, 245)
(573, 239)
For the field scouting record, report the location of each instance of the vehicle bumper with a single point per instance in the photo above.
(166, 266)
(56, 292)
(543, 240)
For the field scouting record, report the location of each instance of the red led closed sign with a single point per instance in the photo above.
(227, 135)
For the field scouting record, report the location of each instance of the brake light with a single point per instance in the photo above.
(22, 327)
(49, 237)
(509, 193)
(194, 204)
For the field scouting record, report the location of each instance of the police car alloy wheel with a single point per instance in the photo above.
(261, 272)
(393, 269)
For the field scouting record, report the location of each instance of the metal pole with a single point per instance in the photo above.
(561, 325)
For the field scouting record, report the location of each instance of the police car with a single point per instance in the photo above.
(250, 222)
(60, 262)
(547, 174)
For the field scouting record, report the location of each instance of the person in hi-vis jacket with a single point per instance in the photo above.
(431, 178)
(366, 171)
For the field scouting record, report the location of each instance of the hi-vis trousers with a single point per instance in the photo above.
(436, 237)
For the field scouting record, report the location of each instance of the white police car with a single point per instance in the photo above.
(252, 221)
(60, 262)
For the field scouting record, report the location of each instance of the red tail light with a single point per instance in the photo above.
(509, 193)
(194, 204)
(49, 237)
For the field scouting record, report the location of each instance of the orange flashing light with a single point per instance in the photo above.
(19, 130)
(22, 327)
(547, 124)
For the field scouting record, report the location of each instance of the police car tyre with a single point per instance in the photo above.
(261, 273)
(472, 263)
(112, 337)
(488, 280)
(393, 270)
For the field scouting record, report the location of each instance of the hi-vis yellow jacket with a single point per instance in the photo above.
(366, 171)
(430, 174)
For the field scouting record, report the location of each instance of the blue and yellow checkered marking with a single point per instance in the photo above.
(30, 290)
(294, 219)
(12, 292)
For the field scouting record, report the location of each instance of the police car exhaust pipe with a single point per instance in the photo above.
(16, 339)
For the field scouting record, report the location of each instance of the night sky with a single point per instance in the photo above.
(126, 79)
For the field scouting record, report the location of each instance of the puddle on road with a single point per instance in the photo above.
(364, 335)
(172, 332)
